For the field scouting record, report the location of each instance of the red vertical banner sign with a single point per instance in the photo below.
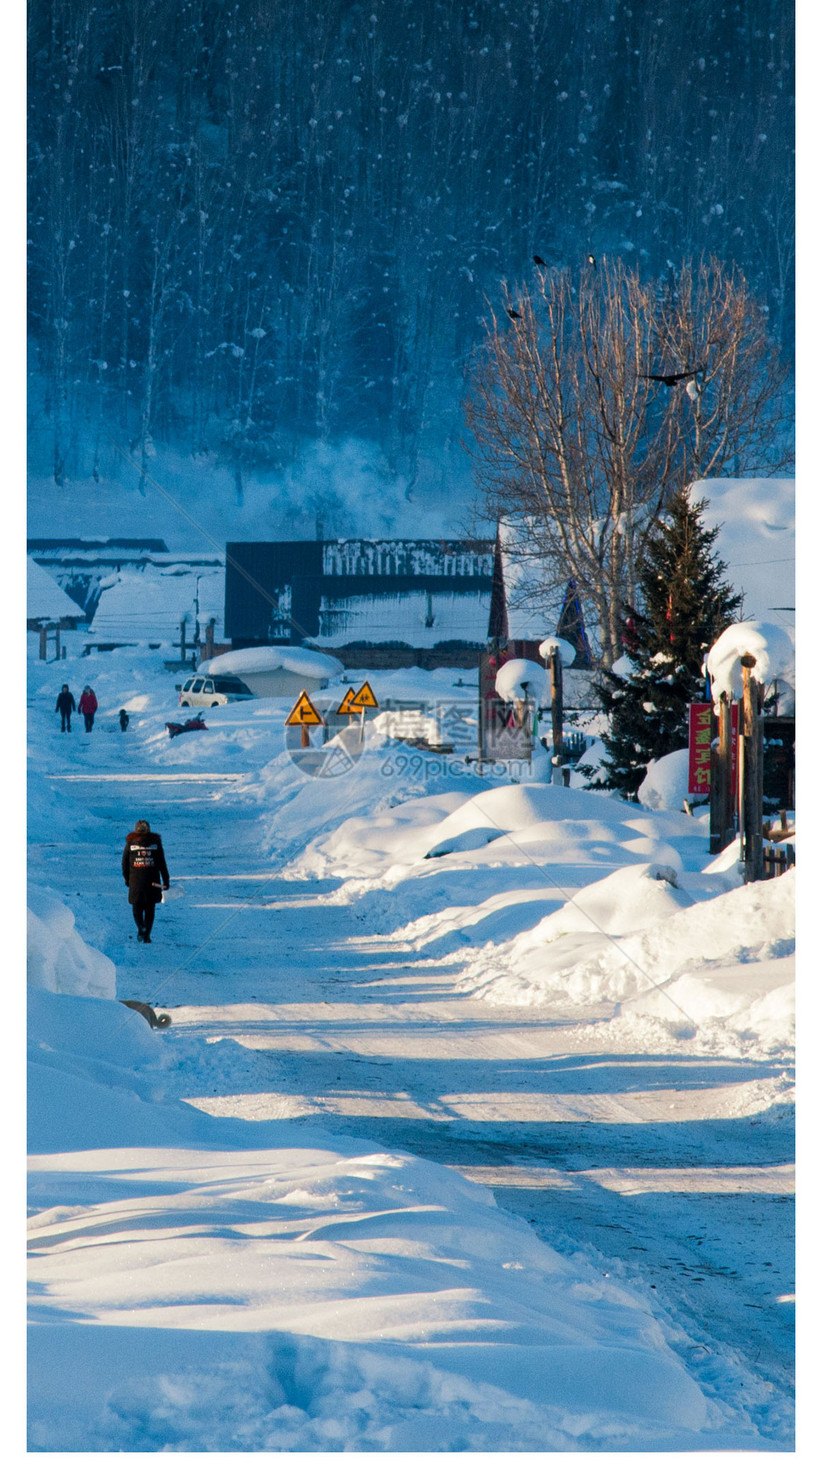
(700, 753)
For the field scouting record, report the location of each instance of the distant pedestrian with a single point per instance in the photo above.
(88, 707)
(123, 720)
(65, 707)
(146, 873)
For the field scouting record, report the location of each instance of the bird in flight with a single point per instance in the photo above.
(513, 313)
(673, 379)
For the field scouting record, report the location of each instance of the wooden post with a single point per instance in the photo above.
(557, 707)
(209, 640)
(43, 644)
(752, 772)
(305, 737)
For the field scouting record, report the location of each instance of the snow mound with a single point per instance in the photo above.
(58, 958)
(522, 679)
(617, 905)
(556, 823)
(631, 935)
(665, 785)
(218, 1284)
(565, 649)
(770, 646)
(528, 825)
(299, 660)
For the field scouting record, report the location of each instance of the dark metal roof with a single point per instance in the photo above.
(274, 590)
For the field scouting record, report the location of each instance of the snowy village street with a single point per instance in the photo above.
(304, 1001)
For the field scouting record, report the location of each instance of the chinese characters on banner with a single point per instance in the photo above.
(700, 754)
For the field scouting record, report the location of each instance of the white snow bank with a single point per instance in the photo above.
(754, 1000)
(771, 647)
(665, 785)
(629, 936)
(300, 660)
(285, 1299)
(522, 679)
(558, 824)
(58, 957)
(528, 825)
(616, 905)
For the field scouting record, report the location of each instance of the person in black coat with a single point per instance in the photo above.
(65, 707)
(146, 873)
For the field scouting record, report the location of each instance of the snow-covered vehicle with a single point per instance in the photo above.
(199, 692)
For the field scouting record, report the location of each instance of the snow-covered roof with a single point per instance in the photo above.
(534, 597)
(149, 604)
(414, 617)
(45, 599)
(756, 539)
(301, 660)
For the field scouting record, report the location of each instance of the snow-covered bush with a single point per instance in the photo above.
(666, 783)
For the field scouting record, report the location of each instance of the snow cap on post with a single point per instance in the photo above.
(521, 679)
(771, 647)
(565, 650)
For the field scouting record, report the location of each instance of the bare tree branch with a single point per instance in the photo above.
(579, 443)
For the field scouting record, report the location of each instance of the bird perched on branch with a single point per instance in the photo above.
(674, 378)
(591, 260)
(513, 313)
(539, 261)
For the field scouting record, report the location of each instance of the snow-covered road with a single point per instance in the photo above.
(292, 1001)
(650, 1163)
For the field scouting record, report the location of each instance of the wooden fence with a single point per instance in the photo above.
(777, 860)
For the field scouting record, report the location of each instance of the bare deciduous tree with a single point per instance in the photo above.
(596, 398)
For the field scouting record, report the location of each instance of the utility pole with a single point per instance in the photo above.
(196, 612)
(752, 772)
(557, 708)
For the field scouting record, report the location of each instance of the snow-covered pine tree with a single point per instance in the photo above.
(684, 603)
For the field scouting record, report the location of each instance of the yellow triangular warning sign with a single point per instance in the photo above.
(303, 712)
(365, 698)
(346, 706)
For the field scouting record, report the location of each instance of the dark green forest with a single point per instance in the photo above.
(254, 223)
